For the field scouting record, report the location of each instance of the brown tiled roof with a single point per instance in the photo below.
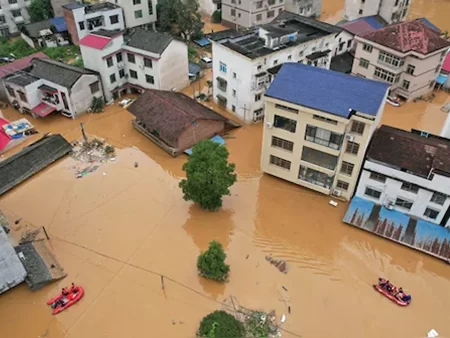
(409, 151)
(169, 113)
(408, 36)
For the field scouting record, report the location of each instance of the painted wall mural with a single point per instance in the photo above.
(396, 226)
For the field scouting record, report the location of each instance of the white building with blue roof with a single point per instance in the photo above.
(318, 125)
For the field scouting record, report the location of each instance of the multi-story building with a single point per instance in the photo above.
(392, 11)
(49, 86)
(407, 55)
(249, 13)
(210, 6)
(13, 16)
(142, 60)
(81, 19)
(138, 12)
(245, 62)
(311, 8)
(408, 172)
(318, 125)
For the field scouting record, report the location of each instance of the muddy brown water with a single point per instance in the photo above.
(118, 229)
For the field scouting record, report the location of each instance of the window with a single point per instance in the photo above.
(109, 62)
(257, 97)
(377, 177)
(270, 14)
(114, 19)
(390, 59)
(222, 67)
(138, 14)
(352, 148)
(281, 143)
(81, 25)
(285, 123)
(406, 84)
(271, 2)
(315, 177)
(148, 63)
(347, 168)
(342, 185)
(131, 58)
(4, 31)
(438, 198)
(95, 87)
(275, 62)
(12, 2)
(372, 193)
(259, 4)
(239, 15)
(22, 96)
(385, 75)
(112, 78)
(16, 13)
(364, 63)
(431, 213)
(285, 108)
(258, 17)
(150, 7)
(319, 158)
(149, 79)
(121, 73)
(280, 162)
(432, 83)
(133, 74)
(2, 19)
(234, 75)
(136, 2)
(367, 48)
(400, 202)
(323, 137)
(289, 57)
(358, 127)
(233, 12)
(119, 57)
(234, 92)
(221, 84)
(11, 91)
(360, 12)
(258, 114)
(349, 43)
(410, 69)
(233, 108)
(410, 187)
(324, 119)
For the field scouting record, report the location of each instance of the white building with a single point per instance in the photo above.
(52, 86)
(392, 11)
(138, 12)
(311, 8)
(142, 60)
(13, 15)
(249, 13)
(210, 6)
(245, 62)
(82, 19)
(408, 172)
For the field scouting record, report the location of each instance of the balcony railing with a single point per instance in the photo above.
(315, 177)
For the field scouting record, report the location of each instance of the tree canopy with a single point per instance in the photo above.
(220, 324)
(180, 17)
(40, 10)
(211, 263)
(208, 175)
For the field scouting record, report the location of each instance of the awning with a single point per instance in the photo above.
(48, 89)
(317, 55)
(221, 98)
(43, 109)
(274, 70)
(441, 79)
(221, 79)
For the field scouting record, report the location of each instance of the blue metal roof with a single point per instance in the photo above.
(373, 22)
(441, 79)
(429, 24)
(59, 23)
(326, 90)
(216, 139)
(202, 42)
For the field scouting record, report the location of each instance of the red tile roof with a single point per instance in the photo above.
(20, 64)
(446, 64)
(357, 27)
(95, 41)
(170, 113)
(43, 109)
(408, 36)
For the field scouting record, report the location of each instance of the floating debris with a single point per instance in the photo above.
(91, 155)
(278, 263)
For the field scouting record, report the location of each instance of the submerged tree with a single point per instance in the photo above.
(220, 324)
(40, 10)
(211, 263)
(208, 175)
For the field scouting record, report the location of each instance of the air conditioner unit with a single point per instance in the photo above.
(350, 138)
(337, 192)
(269, 125)
(389, 205)
(120, 65)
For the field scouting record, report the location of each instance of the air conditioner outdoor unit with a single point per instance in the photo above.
(350, 138)
(269, 125)
(337, 192)
(389, 205)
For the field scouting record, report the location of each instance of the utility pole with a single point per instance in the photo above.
(83, 132)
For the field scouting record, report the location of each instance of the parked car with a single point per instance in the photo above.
(206, 62)
(6, 59)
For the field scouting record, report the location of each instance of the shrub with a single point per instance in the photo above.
(216, 17)
(211, 263)
(192, 53)
(220, 324)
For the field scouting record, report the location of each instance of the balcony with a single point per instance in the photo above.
(319, 158)
(323, 137)
(315, 177)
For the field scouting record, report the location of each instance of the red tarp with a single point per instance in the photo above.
(4, 139)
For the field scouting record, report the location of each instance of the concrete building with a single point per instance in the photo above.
(82, 19)
(407, 55)
(311, 8)
(392, 11)
(245, 62)
(210, 6)
(142, 60)
(174, 121)
(52, 86)
(408, 172)
(138, 12)
(318, 125)
(47, 33)
(249, 13)
(58, 5)
(13, 16)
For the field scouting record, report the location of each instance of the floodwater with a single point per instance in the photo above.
(118, 229)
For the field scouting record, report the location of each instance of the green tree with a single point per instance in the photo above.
(211, 263)
(220, 324)
(208, 175)
(180, 17)
(40, 10)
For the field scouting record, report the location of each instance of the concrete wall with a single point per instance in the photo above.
(71, 25)
(129, 10)
(140, 68)
(12, 22)
(390, 10)
(391, 190)
(203, 129)
(304, 7)
(81, 96)
(248, 12)
(341, 43)
(174, 66)
(12, 270)
(354, 9)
